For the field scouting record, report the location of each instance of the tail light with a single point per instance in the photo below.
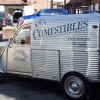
(95, 26)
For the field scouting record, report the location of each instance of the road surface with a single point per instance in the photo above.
(31, 89)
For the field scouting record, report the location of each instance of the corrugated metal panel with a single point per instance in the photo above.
(45, 64)
(79, 46)
(82, 62)
(71, 40)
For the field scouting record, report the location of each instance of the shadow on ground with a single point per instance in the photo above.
(30, 89)
(95, 92)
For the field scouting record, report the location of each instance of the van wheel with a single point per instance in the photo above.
(75, 87)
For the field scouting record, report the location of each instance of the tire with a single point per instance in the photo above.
(75, 86)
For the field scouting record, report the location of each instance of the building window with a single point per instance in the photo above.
(94, 7)
(78, 11)
(89, 7)
(25, 1)
(35, 10)
(60, 6)
(23, 36)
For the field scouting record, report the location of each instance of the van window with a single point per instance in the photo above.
(23, 36)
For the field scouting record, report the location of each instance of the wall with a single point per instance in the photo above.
(35, 4)
(28, 10)
(95, 1)
(12, 2)
(95, 5)
(7, 8)
(39, 4)
(1, 8)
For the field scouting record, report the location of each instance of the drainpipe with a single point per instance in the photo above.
(64, 3)
(51, 3)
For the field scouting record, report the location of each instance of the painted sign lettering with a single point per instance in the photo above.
(59, 30)
(78, 41)
(19, 56)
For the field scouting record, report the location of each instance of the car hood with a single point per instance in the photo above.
(30, 16)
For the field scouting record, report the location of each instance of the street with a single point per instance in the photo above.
(31, 89)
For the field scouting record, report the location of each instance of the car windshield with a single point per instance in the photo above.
(52, 12)
(57, 11)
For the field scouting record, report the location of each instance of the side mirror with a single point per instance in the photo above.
(22, 41)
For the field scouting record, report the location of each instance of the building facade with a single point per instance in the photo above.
(39, 4)
(76, 6)
(17, 8)
(95, 5)
(8, 6)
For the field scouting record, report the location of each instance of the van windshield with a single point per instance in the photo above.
(23, 35)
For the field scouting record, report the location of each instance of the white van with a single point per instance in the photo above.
(60, 48)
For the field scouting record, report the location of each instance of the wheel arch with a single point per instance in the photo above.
(74, 73)
(85, 81)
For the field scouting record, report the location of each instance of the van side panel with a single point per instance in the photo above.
(83, 62)
(45, 64)
(66, 33)
(76, 37)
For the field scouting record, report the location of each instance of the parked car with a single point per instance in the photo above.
(89, 12)
(43, 12)
(2, 19)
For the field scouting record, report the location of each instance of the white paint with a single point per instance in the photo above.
(2, 8)
(91, 7)
(97, 7)
(61, 1)
(58, 1)
(28, 10)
